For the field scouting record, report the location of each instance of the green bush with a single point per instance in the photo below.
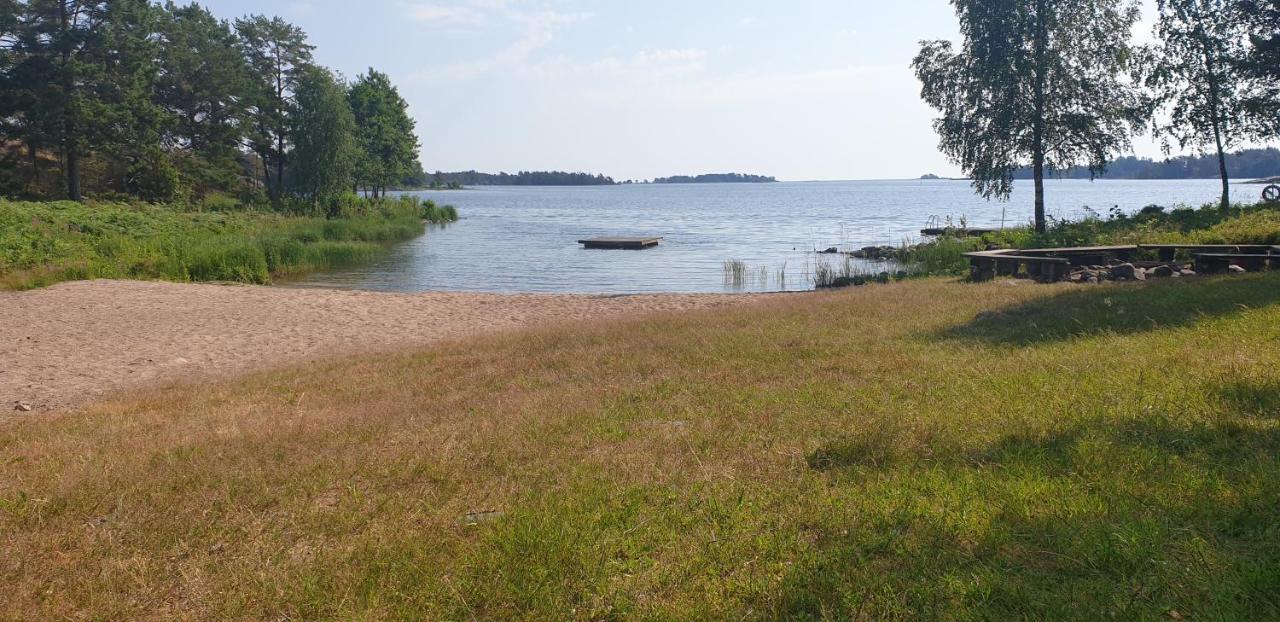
(44, 243)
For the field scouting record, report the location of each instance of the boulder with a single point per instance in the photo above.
(1161, 271)
(1186, 272)
(1125, 272)
(1234, 269)
(830, 251)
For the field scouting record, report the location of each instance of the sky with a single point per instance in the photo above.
(797, 89)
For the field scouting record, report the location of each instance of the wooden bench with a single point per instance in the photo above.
(987, 265)
(1045, 264)
(1085, 255)
(1170, 251)
(1221, 262)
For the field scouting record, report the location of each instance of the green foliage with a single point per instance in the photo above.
(943, 256)
(203, 87)
(152, 177)
(326, 152)
(278, 56)
(1195, 71)
(134, 99)
(44, 243)
(1262, 64)
(385, 133)
(1038, 82)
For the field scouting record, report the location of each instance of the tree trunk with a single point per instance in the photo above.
(1222, 170)
(1222, 154)
(68, 115)
(1037, 130)
(35, 164)
(73, 175)
(280, 164)
(1041, 224)
(1215, 104)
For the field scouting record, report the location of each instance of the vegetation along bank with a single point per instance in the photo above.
(50, 242)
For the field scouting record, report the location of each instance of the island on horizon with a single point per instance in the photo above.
(716, 178)
(460, 179)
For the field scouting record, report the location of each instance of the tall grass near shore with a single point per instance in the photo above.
(45, 243)
(922, 450)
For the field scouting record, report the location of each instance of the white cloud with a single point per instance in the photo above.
(536, 29)
(445, 14)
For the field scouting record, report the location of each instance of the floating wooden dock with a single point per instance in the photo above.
(957, 231)
(632, 244)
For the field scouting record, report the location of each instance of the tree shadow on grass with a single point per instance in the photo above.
(1076, 553)
(1123, 309)
(1255, 399)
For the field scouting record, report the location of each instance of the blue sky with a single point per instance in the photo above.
(801, 89)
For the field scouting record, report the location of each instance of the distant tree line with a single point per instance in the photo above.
(420, 179)
(1057, 85)
(1244, 164)
(523, 178)
(165, 101)
(716, 178)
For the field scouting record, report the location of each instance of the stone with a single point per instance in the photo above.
(472, 519)
(1124, 271)
(22, 407)
(830, 251)
(1186, 272)
(1234, 269)
(1161, 271)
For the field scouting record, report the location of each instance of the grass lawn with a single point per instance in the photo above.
(920, 450)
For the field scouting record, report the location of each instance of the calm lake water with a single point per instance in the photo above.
(525, 239)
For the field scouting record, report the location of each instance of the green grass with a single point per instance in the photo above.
(921, 450)
(45, 243)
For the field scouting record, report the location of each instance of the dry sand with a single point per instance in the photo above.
(72, 343)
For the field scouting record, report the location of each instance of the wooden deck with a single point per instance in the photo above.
(958, 231)
(1169, 251)
(633, 244)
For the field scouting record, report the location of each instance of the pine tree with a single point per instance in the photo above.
(206, 87)
(278, 56)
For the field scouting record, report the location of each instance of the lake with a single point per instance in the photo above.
(525, 239)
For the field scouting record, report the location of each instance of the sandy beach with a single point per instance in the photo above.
(73, 343)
